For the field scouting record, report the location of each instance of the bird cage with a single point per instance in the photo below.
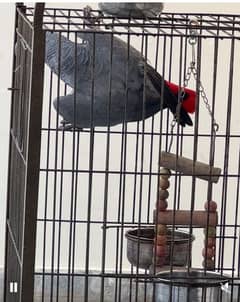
(124, 157)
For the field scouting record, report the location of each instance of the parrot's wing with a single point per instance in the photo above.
(78, 115)
(73, 57)
(169, 99)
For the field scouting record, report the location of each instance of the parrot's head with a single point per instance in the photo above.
(189, 99)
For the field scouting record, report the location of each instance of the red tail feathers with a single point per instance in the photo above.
(189, 101)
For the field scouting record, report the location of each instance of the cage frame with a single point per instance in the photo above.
(30, 212)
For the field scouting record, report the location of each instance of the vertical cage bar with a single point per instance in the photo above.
(106, 183)
(33, 156)
(124, 162)
(7, 235)
(54, 203)
(226, 158)
(91, 157)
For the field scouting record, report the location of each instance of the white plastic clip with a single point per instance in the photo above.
(225, 288)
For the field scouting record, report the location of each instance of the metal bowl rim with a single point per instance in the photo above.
(150, 240)
(220, 279)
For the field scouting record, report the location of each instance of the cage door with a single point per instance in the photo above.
(24, 154)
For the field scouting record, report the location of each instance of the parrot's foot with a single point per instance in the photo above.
(89, 19)
(66, 126)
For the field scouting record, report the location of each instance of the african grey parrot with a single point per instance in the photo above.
(133, 9)
(136, 87)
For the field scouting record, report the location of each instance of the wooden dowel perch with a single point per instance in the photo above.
(183, 217)
(189, 167)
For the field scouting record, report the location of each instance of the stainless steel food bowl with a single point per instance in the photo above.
(183, 286)
(140, 247)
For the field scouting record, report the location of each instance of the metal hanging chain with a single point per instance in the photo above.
(191, 70)
(173, 124)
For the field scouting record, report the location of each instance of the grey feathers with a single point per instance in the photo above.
(133, 9)
(108, 83)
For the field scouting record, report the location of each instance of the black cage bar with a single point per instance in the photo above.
(76, 193)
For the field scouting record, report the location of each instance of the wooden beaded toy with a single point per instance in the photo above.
(161, 206)
(163, 216)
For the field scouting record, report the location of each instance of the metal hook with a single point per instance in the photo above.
(216, 127)
(173, 124)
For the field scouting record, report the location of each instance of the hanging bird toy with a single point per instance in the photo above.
(207, 218)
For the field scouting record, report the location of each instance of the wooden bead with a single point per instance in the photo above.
(163, 194)
(161, 229)
(164, 183)
(161, 250)
(165, 173)
(211, 232)
(211, 242)
(161, 239)
(161, 205)
(208, 264)
(210, 206)
(208, 253)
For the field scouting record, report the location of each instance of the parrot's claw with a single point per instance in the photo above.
(66, 126)
(89, 19)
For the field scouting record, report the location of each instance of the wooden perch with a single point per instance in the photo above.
(189, 167)
(183, 217)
